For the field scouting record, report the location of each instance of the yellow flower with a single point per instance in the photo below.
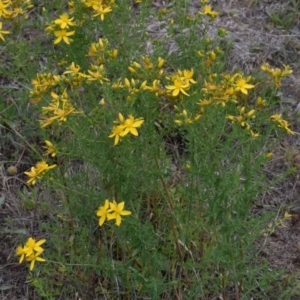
(207, 10)
(33, 258)
(50, 149)
(97, 73)
(148, 65)
(61, 108)
(47, 121)
(37, 172)
(285, 125)
(64, 112)
(103, 212)
(242, 119)
(63, 35)
(205, 102)
(33, 176)
(281, 123)
(117, 133)
(71, 5)
(101, 11)
(155, 88)
(275, 117)
(72, 69)
(17, 11)
(33, 245)
(3, 11)
(276, 74)
(286, 217)
(31, 251)
(243, 86)
(42, 167)
(188, 75)
(64, 22)
(94, 4)
(117, 210)
(2, 31)
(21, 251)
(179, 86)
(254, 134)
(287, 71)
(131, 124)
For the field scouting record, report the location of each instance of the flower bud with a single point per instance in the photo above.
(12, 171)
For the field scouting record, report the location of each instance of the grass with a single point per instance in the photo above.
(155, 155)
(286, 15)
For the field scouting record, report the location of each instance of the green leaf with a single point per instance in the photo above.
(16, 231)
(5, 287)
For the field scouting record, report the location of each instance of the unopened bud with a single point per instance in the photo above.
(12, 171)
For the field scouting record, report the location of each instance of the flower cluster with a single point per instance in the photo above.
(41, 84)
(10, 10)
(156, 88)
(100, 7)
(100, 52)
(185, 118)
(147, 65)
(60, 27)
(112, 211)
(58, 110)
(37, 172)
(97, 73)
(228, 89)
(276, 74)
(31, 251)
(125, 126)
(227, 92)
(243, 119)
(133, 87)
(141, 71)
(45, 82)
(209, 57)
(281, 123)
(181, 83)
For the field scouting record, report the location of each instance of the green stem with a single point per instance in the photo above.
(71, 223)
(171, 206)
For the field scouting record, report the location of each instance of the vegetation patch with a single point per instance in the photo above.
(133, 158)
